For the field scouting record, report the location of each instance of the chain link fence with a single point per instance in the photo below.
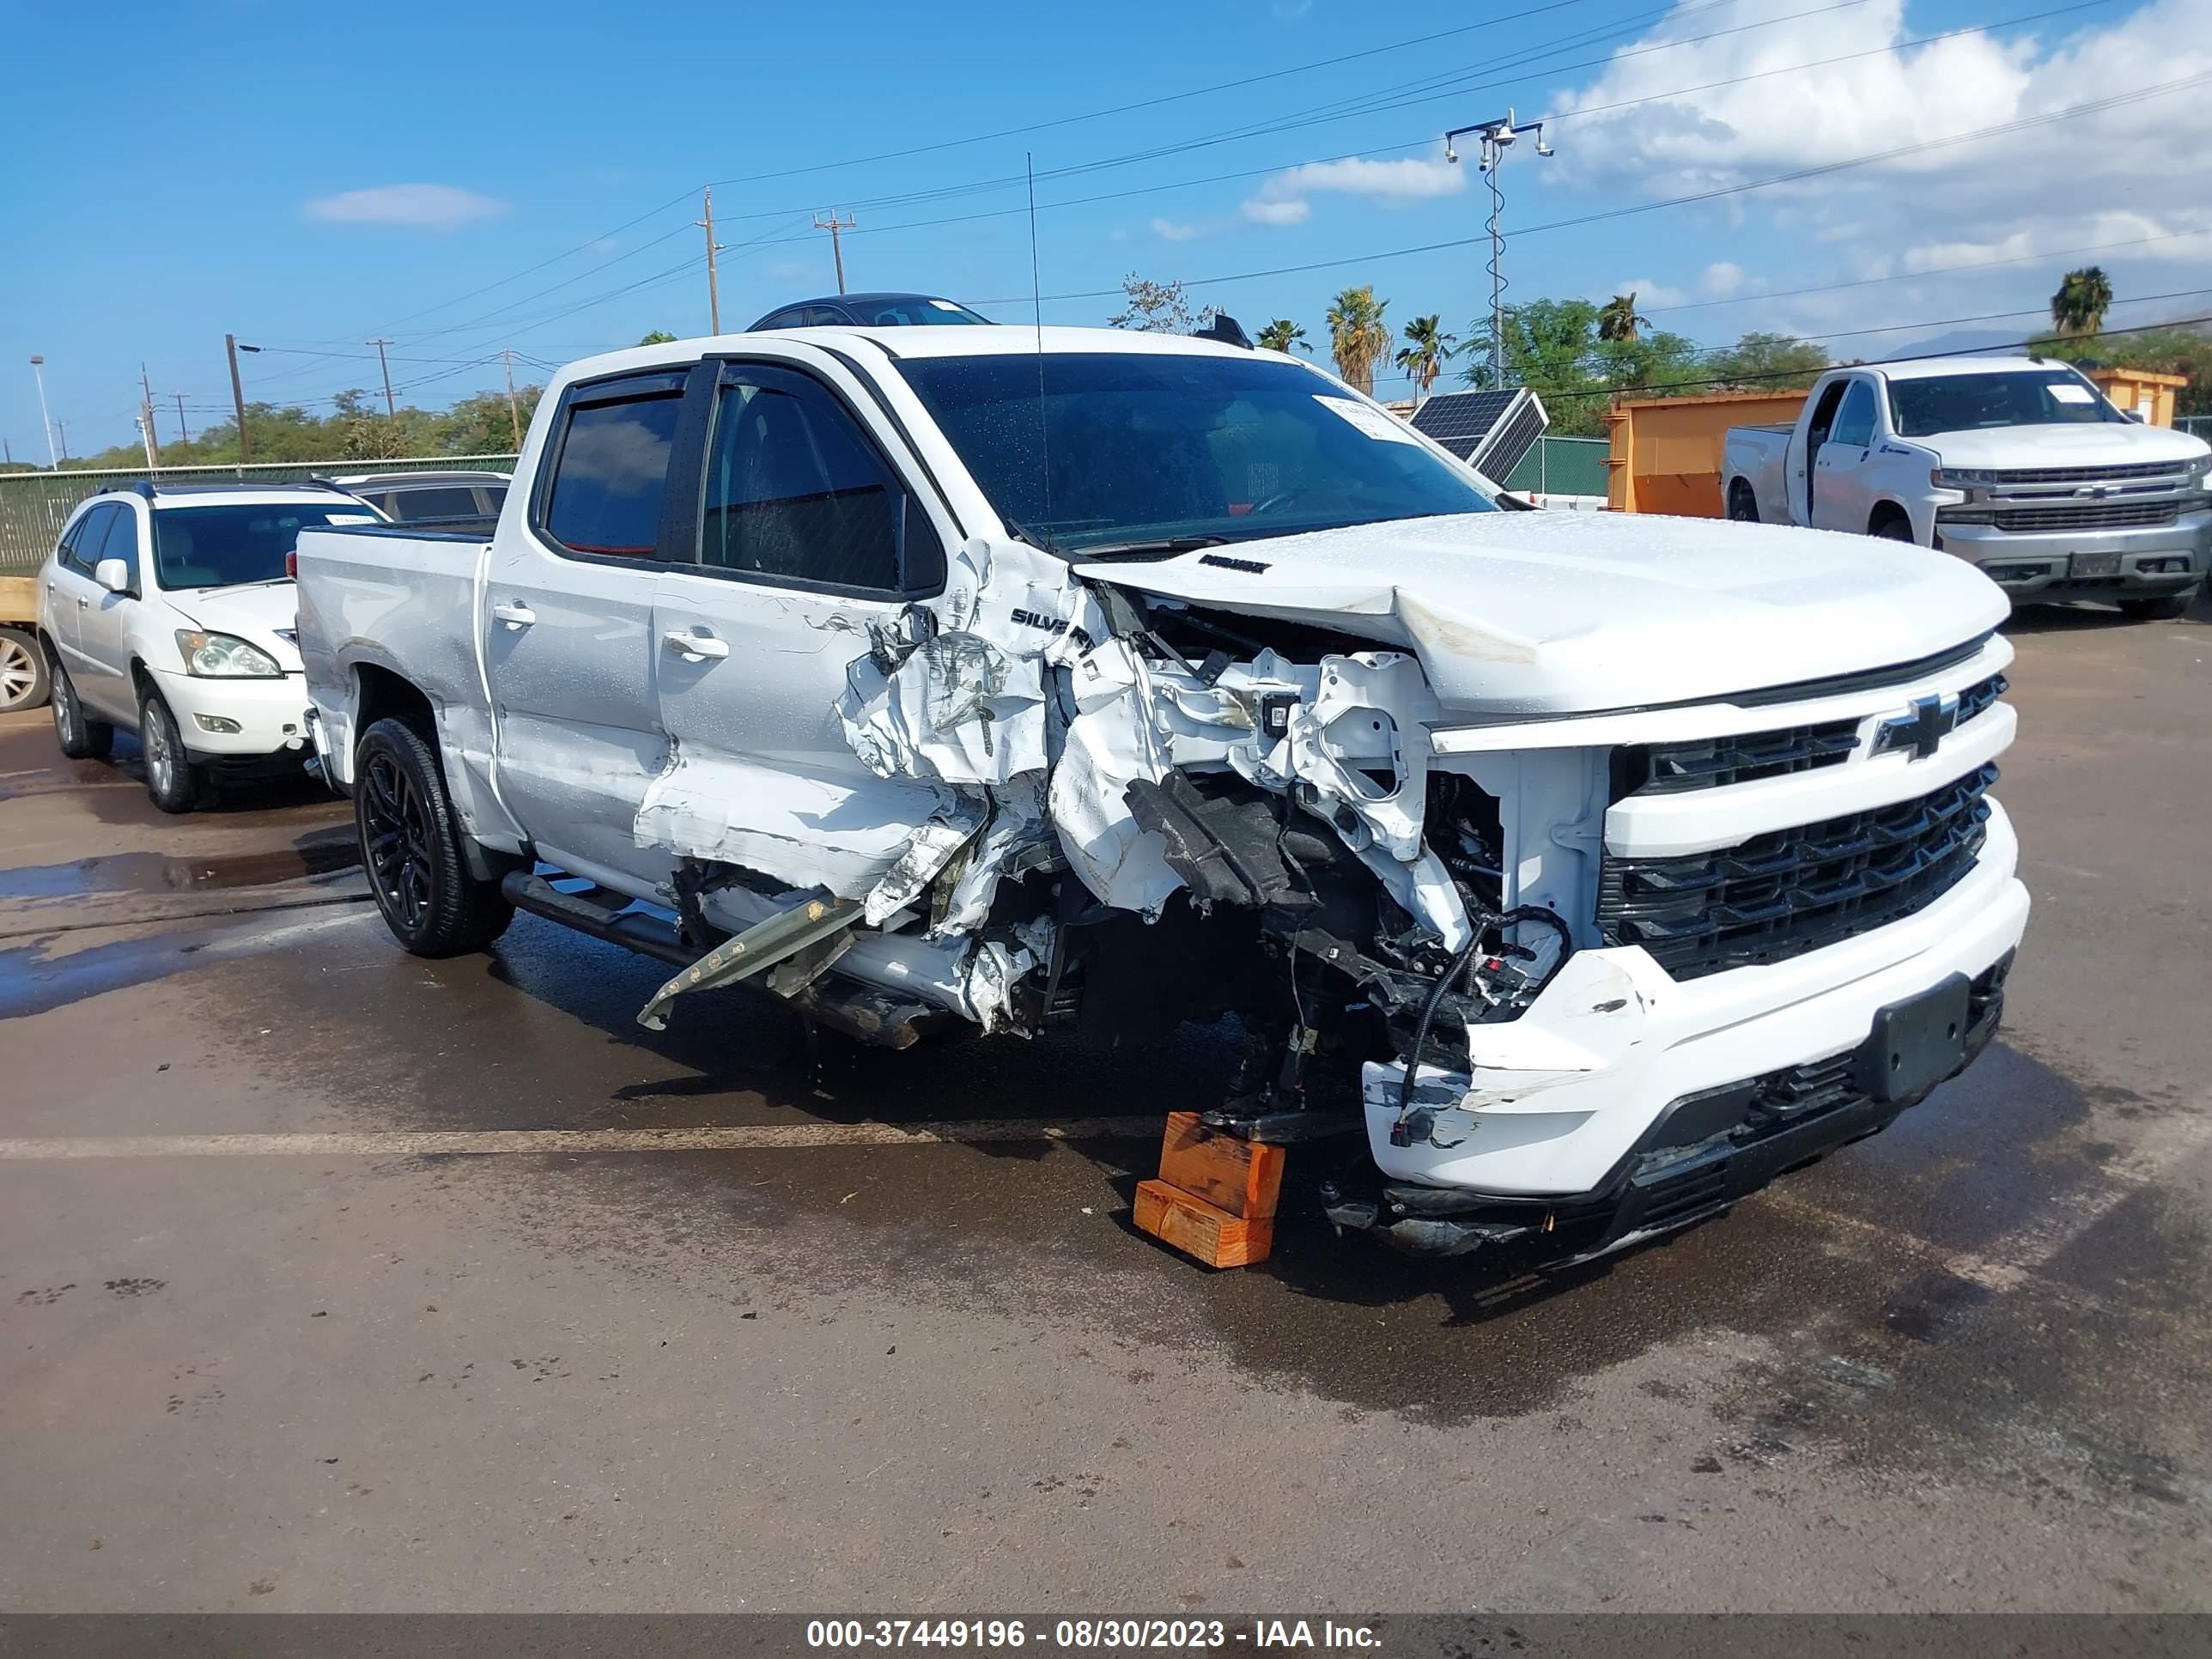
(34, 506)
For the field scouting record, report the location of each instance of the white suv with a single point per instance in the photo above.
(169, 612)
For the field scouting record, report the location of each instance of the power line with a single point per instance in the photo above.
(1798, 175)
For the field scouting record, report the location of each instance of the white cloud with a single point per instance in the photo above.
(1647, 293)
(1281, 200)
(1294, 212)
(1722, 279)
(433, 206)
(1168, 231)
(2048, 176)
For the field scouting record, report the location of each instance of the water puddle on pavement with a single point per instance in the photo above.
(315, 854)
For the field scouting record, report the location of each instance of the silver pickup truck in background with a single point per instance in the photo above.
(1594, 870)
(2020, 467)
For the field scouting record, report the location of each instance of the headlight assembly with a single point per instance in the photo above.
(225, 657)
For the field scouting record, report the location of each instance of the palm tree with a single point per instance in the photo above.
(2083, 298)
(1358, 336)
(1423, 354)
(1617, 319)
(1281, 334)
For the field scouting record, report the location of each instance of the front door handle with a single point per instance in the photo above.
(514, 616)
(697, 645)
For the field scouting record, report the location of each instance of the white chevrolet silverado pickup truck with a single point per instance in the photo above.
(1594, 870)
(2018, 466)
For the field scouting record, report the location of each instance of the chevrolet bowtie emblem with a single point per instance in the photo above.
(1923, 731)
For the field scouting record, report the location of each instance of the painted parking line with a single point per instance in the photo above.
(421, 1143)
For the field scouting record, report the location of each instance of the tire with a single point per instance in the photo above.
(410, 847)
(80, 737)
(2172, 608)
(176, 782)
(1742, 503)
(1893, 530)
(22, 671)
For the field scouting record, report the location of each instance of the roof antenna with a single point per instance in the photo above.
(1037, 311)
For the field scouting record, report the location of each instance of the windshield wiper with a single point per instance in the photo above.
(252, 582)
(1166, 547)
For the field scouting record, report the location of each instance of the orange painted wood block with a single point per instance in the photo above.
(1236, 1175)
(1200, 1228)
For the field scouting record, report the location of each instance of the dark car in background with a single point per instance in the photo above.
(870, 311)
(458, 499)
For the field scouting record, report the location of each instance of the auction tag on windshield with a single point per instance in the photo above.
(2071, 394)
(1373, 422)
(351, 518)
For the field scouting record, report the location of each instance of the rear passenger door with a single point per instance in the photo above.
(71, 588)
(570, 649)
(809, 528)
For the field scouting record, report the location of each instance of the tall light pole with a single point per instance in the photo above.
(1498, 136)
(39, 373)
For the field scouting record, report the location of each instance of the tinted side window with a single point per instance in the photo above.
(1854, 427)
(605, 494)
(786, 318)
(122, 543)
(80, 547)
(794, 489)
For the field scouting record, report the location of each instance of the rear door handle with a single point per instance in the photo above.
(696, 645)
(515, 616)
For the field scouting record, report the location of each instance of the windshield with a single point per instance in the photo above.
(910, 313)
(1122, 448)
(1962, 402)
(221, 546)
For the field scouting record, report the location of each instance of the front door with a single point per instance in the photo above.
(808, 536)
(104, 640)
(570, 648)
(1840, 496)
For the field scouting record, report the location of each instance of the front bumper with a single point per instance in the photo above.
(271, 727)
(2050, 565)
(1559, 1100)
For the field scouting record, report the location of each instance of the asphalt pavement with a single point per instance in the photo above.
(301, 1309)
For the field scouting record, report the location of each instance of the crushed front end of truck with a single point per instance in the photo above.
(1595, 974)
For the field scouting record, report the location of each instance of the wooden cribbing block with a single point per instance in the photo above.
(1239, 1176)
(1200, 1228)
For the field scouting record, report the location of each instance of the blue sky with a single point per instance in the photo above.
(309, 189)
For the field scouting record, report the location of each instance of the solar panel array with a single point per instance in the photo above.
(1460, 421)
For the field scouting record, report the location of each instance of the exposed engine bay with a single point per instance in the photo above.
(1144, 811)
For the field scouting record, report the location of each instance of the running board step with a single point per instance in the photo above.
(634, 930)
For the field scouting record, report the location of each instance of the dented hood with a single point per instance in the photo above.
(1540, 613)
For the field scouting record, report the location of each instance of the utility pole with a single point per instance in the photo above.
(1498, 136)
(146, 440)
(238, 395)
(714, 291)
(63, 425)
(834, 226)
(39, 373)
(513, 414)
(8, 451)
(184, 432)
(146, 420)
(391, 410)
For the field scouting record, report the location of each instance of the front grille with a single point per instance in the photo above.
(1667, 768)
(2092, 515)
(1780, 895)
(2177, 470)
(1662, 768)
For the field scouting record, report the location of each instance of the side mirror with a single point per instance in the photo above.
(112, 574)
